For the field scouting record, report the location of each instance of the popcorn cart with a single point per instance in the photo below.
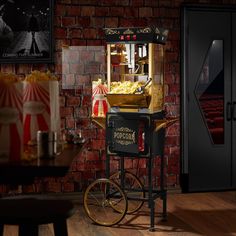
(135, 124)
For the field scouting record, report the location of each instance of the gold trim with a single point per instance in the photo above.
(128, 31)
(157, 31)
(145, 30)
(165, 32)
(111, 32)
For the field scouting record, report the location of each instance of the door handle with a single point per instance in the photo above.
(229, 111)
(233, 111)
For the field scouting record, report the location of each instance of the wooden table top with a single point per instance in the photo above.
(21, 172)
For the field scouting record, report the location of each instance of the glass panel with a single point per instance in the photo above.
(129, 62)
(210, 92)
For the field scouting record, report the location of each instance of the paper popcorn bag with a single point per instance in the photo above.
(40, 106)
(11, 118)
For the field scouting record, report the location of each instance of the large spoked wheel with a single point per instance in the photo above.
(101, 198)
(133, 188)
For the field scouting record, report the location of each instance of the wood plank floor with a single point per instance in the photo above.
(210, 214)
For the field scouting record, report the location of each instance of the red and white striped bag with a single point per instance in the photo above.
(11, 120)
(100, 104)
(41, 108)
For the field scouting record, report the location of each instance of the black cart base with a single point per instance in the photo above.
(135, 135)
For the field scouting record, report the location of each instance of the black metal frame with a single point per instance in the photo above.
(155, 145)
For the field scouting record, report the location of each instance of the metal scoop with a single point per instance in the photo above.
(141, 89)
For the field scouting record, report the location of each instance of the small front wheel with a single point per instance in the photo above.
(101, 198)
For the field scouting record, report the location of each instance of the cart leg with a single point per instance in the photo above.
(122, 171)
(151, 202)
(163, 191)
(107, 166)
(152, 215)
(164, 203)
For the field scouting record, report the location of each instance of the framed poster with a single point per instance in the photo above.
(26, 31)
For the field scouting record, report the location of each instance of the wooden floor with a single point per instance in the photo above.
(212, 214)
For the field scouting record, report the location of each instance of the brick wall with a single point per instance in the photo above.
(80, 23)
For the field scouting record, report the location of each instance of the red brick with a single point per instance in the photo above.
(122, 3)
(94, 42)
(170, 99)
(98, 144)
(145, 12)
(60, 32)
(57, 21)
(101, 133)
(78, 42)
(63, 124)
(70, 123)
(73, 101)
(174, 35)
(97, 22)
(171, 180)
(68, 21)
(83, 122)
(175, 128)
(90, 33)
(171, 57)
(81, 112)
(172, 140)
(102, 11)
(66, 111)
(68, 187)
(92, 155)
(67, 92)
(94, 165)
(174, 89)
(87, 11)
(74, 10)
(173, 12)
(53, 186)
(62, 101)
(117, 11)
(165, 3)
(111, 22)
(151, 3)
(83, 22)
(61, 43)
(131, 12)
(134, 22)
(76, 33)
(108, 2)
(137, 3)
(85, 2)
(60, 10)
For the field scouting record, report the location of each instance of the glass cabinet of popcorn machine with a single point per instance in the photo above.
(135, 69)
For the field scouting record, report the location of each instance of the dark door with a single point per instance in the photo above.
(206, 100)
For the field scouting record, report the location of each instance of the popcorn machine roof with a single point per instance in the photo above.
(136, 35)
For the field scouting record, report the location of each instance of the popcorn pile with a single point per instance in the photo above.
(36, 76)
(9, 77)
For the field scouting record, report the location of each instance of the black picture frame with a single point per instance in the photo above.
(26, 31)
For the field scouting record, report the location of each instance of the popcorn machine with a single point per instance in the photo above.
(135, 69)
(135, 122)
